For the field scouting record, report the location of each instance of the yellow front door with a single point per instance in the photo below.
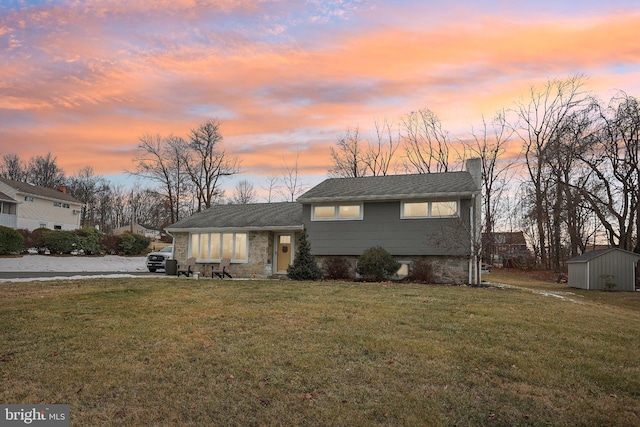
(284, 252)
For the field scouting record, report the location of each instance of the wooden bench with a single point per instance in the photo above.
(187, 268)
(221, 270)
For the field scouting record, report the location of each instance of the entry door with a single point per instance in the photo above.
(284, 252)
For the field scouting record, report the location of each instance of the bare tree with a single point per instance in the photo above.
(612, 156)
(491, 146)
(244, 193)
(354, 156)
(427, 146)
(271, 186)
(542, 120)
(291, 179)
(207, 163)
(347, 157)
(45, 172)
(381, 154)
(13, 168)
(161, 160)
(84, 187)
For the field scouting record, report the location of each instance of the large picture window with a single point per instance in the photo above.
(212, 247)
(337, 212)
(440, 209)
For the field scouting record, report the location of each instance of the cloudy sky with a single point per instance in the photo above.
(85, 79)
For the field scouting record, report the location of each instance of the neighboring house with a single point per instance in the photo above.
(605, 269)
(8, 211)
(39, 207)
(500, 247)
(434, 216)
(140, 230)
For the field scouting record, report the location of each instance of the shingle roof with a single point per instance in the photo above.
(44, 192)
(255, 215)
(5, 198)
(392, 187)
(588, 256)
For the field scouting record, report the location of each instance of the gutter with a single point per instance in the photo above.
(228, 229)
(393, 197)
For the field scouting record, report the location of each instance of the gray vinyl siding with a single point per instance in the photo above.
(382, 226)
(617, 263)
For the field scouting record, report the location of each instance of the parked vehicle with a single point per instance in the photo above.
(157, 260)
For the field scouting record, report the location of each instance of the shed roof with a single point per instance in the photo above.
(249, 216)
(588, 256)
(36, 190)
(392, 187)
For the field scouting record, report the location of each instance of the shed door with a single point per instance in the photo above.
(284, 252)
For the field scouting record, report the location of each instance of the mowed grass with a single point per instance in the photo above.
(167, 351)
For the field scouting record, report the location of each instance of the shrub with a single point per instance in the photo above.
(304, 267)
(422, 272)
(90, 241)
(60, 241)
(33, 239)
(377, 264)
(337, 268)
(11, 241)
(110, 243)
(132, 244)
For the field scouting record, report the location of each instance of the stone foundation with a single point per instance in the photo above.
(446, 270)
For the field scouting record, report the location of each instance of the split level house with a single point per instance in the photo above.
(424, 216)
(26, 206)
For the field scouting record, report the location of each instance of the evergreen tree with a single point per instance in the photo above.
(304, 266)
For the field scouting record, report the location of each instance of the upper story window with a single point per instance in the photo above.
(337, 212)
(61, 205)
(440, 209)
(28, 199)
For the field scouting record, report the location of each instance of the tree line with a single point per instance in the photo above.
(559, 165)
(178, 177)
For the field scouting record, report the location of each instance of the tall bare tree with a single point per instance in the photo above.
(427, 146)
(490, 145)
(161, 160)
(83, 186)
(348, 156)
(207, 162)
(13, 168)
(45, 172)
(613, 157)
(355, 156)
(542, 119)
(292, 181)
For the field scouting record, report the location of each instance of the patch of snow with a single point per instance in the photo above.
(77, 277)
(48, 263)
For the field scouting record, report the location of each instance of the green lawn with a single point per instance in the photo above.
(167, 351)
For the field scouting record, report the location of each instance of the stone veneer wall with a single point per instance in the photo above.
(446, 270)
(260, 254)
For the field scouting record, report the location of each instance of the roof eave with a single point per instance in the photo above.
(247, 228)
(389, 197)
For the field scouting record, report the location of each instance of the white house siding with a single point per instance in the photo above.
(42, 212)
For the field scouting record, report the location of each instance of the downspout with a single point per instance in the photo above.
(471, 233)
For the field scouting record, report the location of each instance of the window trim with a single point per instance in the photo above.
(336, 211)
(429, 209)
(221, 234)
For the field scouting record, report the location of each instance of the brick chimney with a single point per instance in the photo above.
(62, 189)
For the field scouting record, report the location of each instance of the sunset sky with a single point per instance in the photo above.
(85, 80)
